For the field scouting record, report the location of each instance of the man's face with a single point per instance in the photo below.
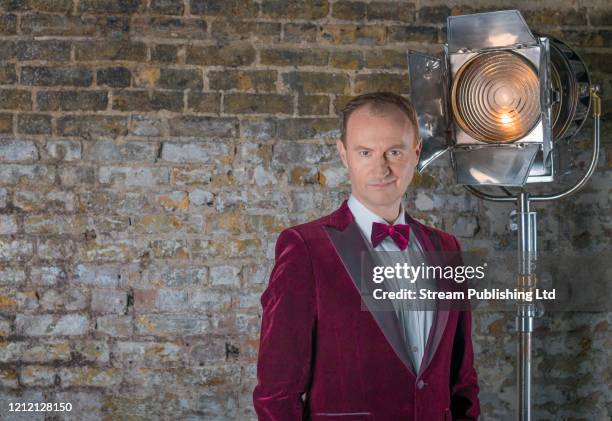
(381, 153)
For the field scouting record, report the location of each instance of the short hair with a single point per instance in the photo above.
(379, 103)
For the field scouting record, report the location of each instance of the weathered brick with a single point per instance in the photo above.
(8, 224)
(37, 375)
(17, 99)
(147, 125)
(41, 351)
(287, 153)
(313, 105)
(348, 10)
(6, 123)
(548, 17)
(115, 325)
(308, 128)
(107, 150)
(225, 275)
(69, 300)
(314, 82)
(105, 301)
(52, 50)
(244, 103)
(294, 57)
(64, 150)
(8, 24)
(187, 125)
(34, 124)
(8, 74)
(354, 34)
(433, 14)
(51, 325)
(300, 32)
(55, 249)
(404, 12)
(295, 9)
(147, 354)
(346, 59)
(11, 276)
(206, 152)
(143, 176)
(225, 8)
(167, 7)
(54, 224)
(42, 24)
(381, 82)
(599, 17)
(204, 102)
(90, 376)
(113, 50)
(168, 27)
(230, 55)
(243, 80)
(91, 351)
(164, 53)
(92, 125)
(22, 173)
(116, 77)
(111, 6)
(171, 325)
(47, 275)
(18, 150)
(386, 59)
(410, 33)
(72, 100)
(57, 6)
(227, 31)
(147, 100)
(56, 76)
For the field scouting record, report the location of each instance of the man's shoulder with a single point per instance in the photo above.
(312, 229)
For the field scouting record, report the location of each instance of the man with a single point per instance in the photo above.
(322, 356)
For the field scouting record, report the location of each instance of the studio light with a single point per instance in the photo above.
(498, 101)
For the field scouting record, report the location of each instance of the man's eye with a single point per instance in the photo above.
(364, 153)
(395, 152)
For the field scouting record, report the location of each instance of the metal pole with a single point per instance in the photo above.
(527, 247)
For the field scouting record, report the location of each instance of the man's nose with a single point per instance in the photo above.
(382, 168)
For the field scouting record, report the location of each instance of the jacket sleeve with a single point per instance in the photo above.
(465, 404)
(287, 328)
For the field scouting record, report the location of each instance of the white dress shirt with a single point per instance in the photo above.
(415, 324)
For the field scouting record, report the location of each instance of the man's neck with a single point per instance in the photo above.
(388, 213)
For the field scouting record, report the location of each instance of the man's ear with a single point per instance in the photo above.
(342, 152)
(419, 147)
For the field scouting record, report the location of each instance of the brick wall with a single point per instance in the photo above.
(150, 153)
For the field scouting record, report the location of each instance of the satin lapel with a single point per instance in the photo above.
(350, 246)
(441, 316)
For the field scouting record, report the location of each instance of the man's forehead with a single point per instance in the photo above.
(392, 126)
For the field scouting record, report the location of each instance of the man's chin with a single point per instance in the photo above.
(381, 198)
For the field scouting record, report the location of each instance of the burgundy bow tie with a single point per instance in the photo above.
(400, 233)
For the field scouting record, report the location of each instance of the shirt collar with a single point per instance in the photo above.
(365, 217)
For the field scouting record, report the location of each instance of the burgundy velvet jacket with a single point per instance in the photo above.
(321, 357)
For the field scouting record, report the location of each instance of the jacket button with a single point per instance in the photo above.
(420, 384)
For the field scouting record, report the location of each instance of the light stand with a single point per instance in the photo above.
(527, 256)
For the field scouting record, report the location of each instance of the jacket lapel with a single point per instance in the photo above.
(350, 246)
(356, 257)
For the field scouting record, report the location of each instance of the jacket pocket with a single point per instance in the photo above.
(342, 416)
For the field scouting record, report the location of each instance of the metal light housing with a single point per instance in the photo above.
(498, 99)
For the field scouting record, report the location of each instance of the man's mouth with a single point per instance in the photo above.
(383, 184)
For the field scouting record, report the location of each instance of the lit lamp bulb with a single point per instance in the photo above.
(496, 97)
